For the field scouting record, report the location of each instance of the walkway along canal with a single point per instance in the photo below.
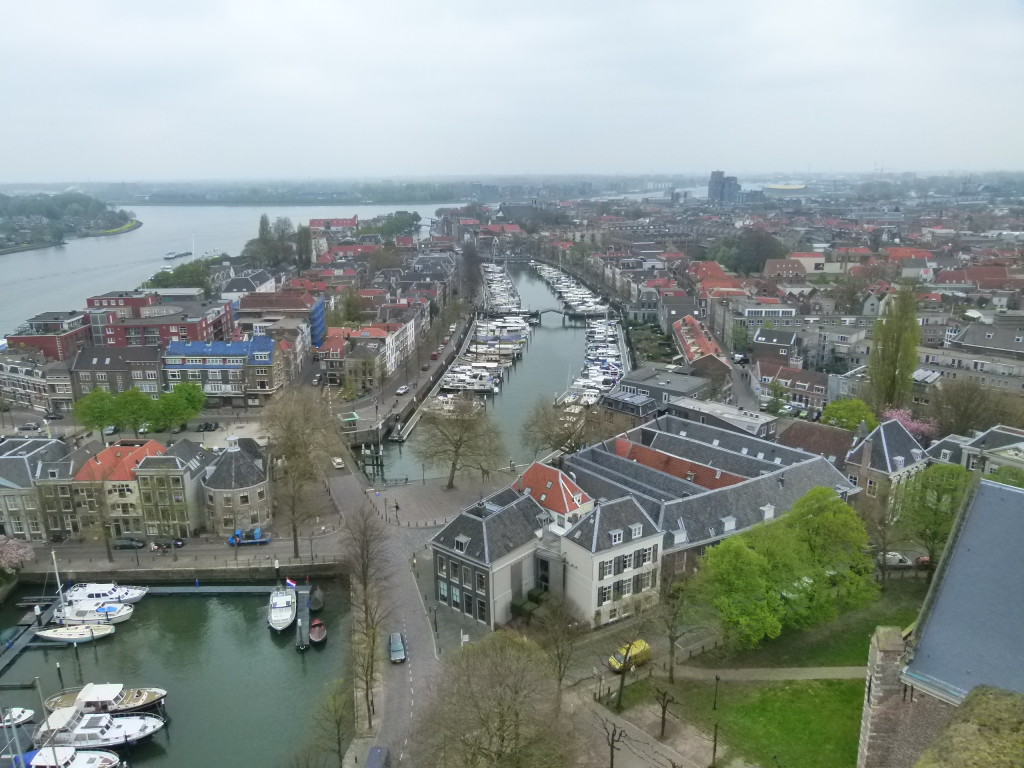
(551, 360)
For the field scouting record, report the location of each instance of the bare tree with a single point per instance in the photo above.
(308, 756)
(664, 698)
(678, 610)
(570, 429)
(303, 442)
(558, 630)
(464, 437)
(495, 706)
(332, 720)
(613, 734)
(368, 558)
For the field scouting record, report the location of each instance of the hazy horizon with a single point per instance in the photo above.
(232, 91)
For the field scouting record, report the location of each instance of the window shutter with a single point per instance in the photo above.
(617, 590)
(636, 584)
(654, 579)
(618, 565)
(654, 556)
(638, 558)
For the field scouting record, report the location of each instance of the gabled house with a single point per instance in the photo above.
(106, 488)
(21, 460)
(171, 491)
(556, 492)
(611, 559)
(887, 456)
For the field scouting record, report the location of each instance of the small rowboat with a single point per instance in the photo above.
(16, 716)
(317, 631)
(79, 633)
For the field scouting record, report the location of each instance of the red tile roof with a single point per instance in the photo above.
(693, 340)
(684, 469)
(117, 463)
(560, 493)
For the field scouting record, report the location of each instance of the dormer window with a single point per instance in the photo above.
(945, 455)
(636, 531)
(461, 542)
(768, 511)
(616, 536)
(548, 485)
(728, 523)
(898, 461)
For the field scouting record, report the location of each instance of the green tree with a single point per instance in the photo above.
(1008, 476)
(304, 247)
(264, 231)
(832, 542)
(928, 504)
(776, 398)
(192, 397)
(893, 357)
(737, 581)
(848, 413)
(960, 406)
(96, 410)
(678, 610)
(748, 251)
(132, 409)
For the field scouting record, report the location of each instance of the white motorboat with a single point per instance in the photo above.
(92, 612)
(111, 592)
(72, 727)
(282, 609)
(67, 757)
(80, 633)
(16, 716)
(107, 698)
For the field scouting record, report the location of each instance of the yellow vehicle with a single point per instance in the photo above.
(630, 655)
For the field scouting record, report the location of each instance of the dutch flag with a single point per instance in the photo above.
(290, 583)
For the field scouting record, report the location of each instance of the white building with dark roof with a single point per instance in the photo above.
(237, 487)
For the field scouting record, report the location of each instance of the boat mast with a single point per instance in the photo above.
(56, 575)
(42, 703)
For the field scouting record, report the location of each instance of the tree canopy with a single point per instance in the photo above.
(848, 413)
(1008, 476)
(747, 251)
(893, 358)
(928, 504)
(465, 438)
(554, 429)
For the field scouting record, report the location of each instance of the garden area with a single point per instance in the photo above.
(842, 642)
(795, 724)
(650, 344)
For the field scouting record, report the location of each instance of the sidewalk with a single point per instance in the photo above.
(771, 673)
(428, 504)
(449, 624)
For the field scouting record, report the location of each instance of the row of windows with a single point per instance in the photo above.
(624, 588)
(228, 499)
(457, 574)
(462, 601)
(626, 562)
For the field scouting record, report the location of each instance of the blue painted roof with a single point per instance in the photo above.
(247, 349)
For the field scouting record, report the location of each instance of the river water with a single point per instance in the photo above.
(61, 278)
(551, 361)
(239, 695)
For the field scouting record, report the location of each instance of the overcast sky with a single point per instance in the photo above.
(225, 89)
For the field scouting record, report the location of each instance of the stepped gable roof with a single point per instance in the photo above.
(495, 526)
(241, 465)
(890, 439)
(560, 494)
(952, 443)
(118, 462)
(702, 514)
(594, 532)
(821, 439)
(20, 459)
(970, 628)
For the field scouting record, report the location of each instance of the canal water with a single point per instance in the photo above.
(239, 695)
(551, 361)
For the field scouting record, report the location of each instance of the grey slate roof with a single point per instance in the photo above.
(107, 358)
(66, 467)
(192, 454)
(952, 443)
(821, 439)
(728, 439)
(497, 525)
(997, 437)
(701, 515)
(241, 468)
(890, 439)
(20, 458)
(972, 628)
(593, 532)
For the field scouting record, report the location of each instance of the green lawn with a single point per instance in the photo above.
(805, 723)
(840, 643)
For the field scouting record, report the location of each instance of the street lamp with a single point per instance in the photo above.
(714, 704)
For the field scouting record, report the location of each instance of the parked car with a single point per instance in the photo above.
(166, 544)
(113, 429)
(425, 367)
(404, 389)
(179, 429)
(396, 647)
(788, 409)
(434, 355)
(896, 560)
(29, 426)
(631, 655)
(337, 463)
(316, 380)
(923, 562)
(53, 415)
(740, 358)
(145, 428)
(128, 542)
(208, 426)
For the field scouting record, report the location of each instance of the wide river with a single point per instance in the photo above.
(239, 695)
(61, 278)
